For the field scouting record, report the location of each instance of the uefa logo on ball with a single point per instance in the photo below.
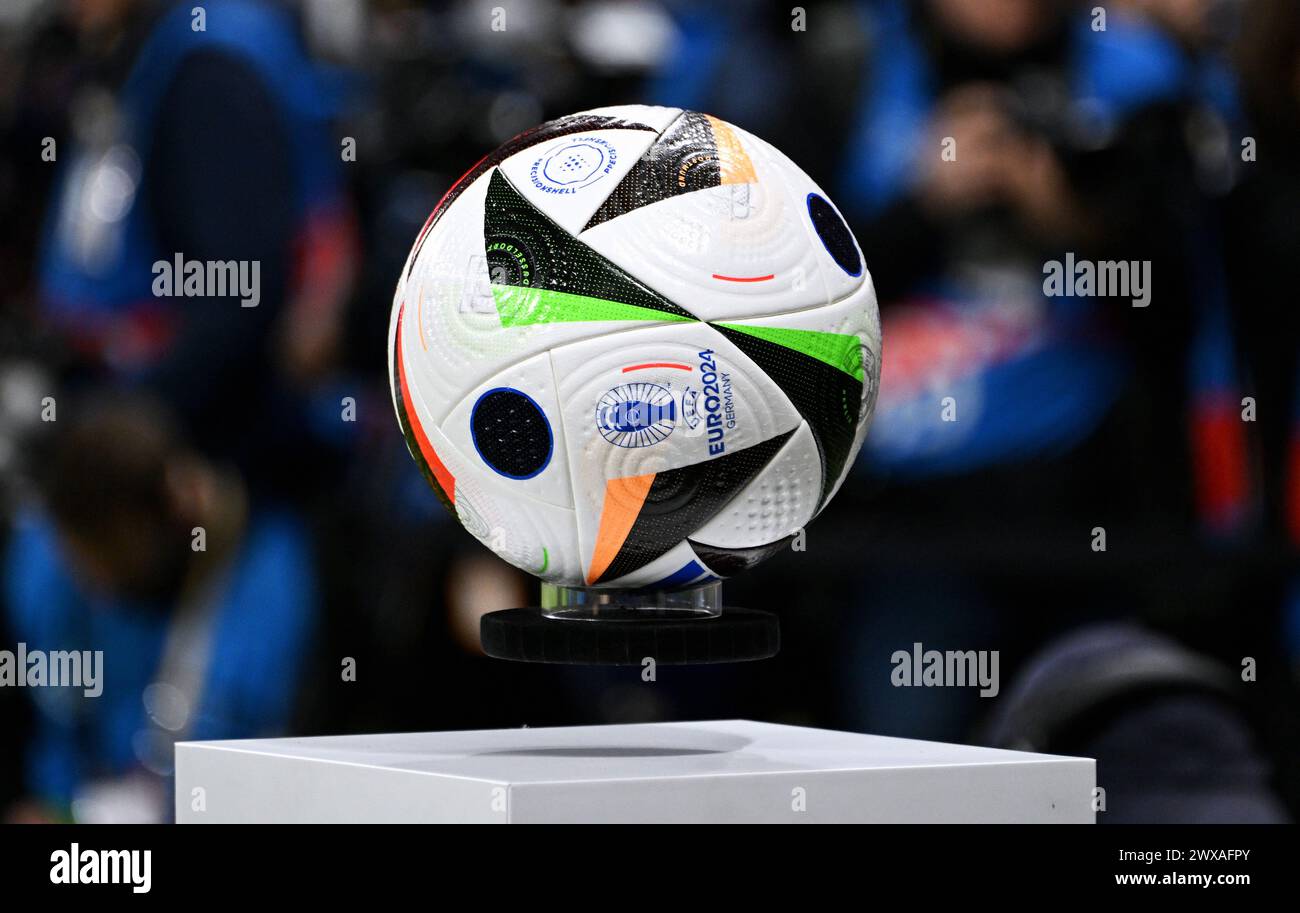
(636, 415)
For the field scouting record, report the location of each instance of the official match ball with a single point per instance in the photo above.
(634, 347)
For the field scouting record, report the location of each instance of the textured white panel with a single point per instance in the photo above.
(835, 281)
(650, 115)
(857, 314)
(593, 374)
(733, 251)
(534, 378)
(780, 499)
(570, 176)
(533, 536)
(527, 533)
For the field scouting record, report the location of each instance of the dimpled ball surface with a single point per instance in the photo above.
(634, 347)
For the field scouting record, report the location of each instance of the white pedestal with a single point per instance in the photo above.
(718, 772)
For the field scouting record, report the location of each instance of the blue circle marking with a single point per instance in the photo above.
(541, 415)
(841, 245)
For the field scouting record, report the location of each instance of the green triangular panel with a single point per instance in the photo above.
(519, 305)
(525, 249)
(839, 350)
(827, 394)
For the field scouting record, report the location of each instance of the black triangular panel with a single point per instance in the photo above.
(829, 400)
(683, 159)
(682, 500)
(525, 248)
(728, 562)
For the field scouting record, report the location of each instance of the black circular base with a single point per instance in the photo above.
(526, 635)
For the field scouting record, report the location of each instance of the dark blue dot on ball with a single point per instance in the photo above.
(511, 433)
(835, 235)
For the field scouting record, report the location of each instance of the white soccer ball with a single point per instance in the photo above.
(635, 347)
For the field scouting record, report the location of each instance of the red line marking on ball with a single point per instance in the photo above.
(658, 364)
(744, 278)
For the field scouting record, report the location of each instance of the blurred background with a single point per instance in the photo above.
(335, 595)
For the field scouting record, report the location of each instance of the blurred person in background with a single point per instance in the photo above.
(1170, 728)
(202, 133)
(1264, 236)
(1111, 140)
(201, 597)
(206, 134)
(1263, 230)
(992, 139)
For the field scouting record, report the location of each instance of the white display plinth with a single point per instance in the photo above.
(727, 771)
